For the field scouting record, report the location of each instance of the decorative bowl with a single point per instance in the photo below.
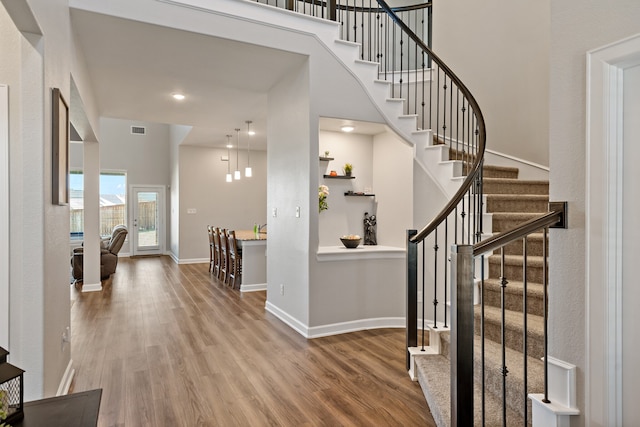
(351, 241)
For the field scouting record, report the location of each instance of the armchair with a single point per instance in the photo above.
(108, 254)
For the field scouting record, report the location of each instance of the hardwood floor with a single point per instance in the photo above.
(170, 346)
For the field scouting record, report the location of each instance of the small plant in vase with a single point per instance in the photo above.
(348, 168)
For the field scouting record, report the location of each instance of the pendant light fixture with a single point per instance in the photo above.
(247, 170)
(228, 179)
(237, 175)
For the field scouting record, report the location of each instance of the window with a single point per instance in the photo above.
(113, 202)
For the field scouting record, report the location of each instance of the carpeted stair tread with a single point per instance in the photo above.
(513, 295)
(532, 261)
(434, 378)
(513, 267)
(517, 202)
(513, 329)
(534, 246)
(504, 221)
(516, 396)
(514, 186)
(500, 171)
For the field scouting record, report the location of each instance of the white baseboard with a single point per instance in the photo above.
(173, 257)
(356, 325)
(294, 323)
(65, 382)
(194, 261)
(335, 328)
(253, 288)
(91, 287)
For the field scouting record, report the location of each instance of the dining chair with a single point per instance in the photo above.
(235, 260)
(224, 257)
(211, 249)
(217, 258)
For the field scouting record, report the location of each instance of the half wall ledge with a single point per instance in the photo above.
(340, 253)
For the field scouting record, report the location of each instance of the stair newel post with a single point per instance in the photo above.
(462, 331)
(412, 294)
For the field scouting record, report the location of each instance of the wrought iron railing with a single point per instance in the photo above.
(462, 303)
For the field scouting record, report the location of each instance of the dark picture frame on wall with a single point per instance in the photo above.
(60, 149)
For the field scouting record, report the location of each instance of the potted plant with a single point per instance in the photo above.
(348, 168)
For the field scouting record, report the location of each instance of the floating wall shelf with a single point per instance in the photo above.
(339, 177)
(326, 159)
(359, 194)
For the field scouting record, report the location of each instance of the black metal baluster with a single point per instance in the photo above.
(437, 107)
(371, 37)
(524, 325)
(424, 314)
(505, 371)
(435, 282)
(444, 111)
(422, 91)
(482, 345)
(462, 139)
(401, 69)
(446, 260)
(451, 112)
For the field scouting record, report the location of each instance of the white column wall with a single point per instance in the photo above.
(572, 36)
(290, 151)
(91, 241)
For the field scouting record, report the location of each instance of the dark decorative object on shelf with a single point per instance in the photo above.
(351, 241)
(11, 391)
(370, 229)
(325, 159)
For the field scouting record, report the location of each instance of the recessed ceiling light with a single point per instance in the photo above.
(178, 96)
(347, 128)
(252, 132)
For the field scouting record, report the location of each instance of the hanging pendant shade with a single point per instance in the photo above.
(237, 175)
(247, 171)
(228, 177)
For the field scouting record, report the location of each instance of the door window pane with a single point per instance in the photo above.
(147, 219)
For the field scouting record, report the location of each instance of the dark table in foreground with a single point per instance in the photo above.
(72, 410)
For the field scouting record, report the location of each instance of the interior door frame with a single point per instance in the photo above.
(162, 232)
(603, 228)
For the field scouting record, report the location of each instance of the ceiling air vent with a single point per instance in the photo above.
(138, 130)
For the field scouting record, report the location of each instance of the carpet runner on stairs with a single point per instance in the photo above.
(511, 201)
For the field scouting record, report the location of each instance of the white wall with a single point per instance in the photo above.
(236, 205)
(500, 49)
(631, 247)
(39, 230)
(145, 158)
(290, 152)
(176, 134)
(575, 29)
(394, 187)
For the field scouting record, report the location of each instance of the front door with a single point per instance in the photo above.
(148, 220)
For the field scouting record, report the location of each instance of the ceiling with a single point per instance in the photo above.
(136, 67)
